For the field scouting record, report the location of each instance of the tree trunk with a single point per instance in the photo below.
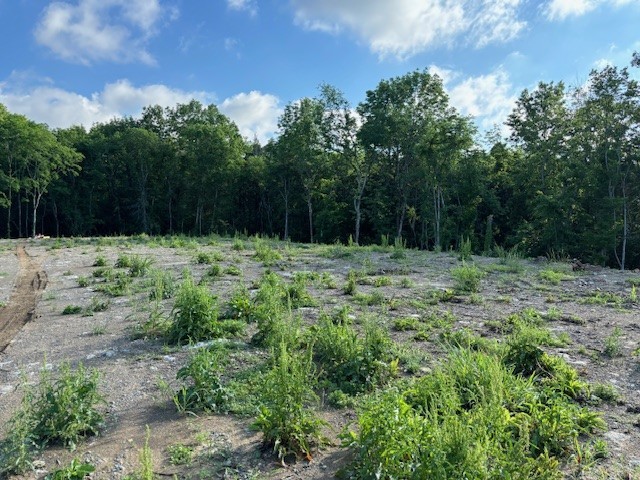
(437, 212)
(357, 202)
(55, 216)
(310, 208)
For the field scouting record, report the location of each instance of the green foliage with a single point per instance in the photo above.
(203, 258)
(264, 253)
(145, 472)
(83, 282)
(612, 347)
(71, 309)
(139, 266)
(162, 285)
(406, 323)
(350, 287)
(467, 278)
(464, 249)
(232, 270)
(203, 390)
(180, 454)
(100, 261)
(55, 411)
(195, 316)
(553, 277)
(604, 298)
(75, 471)
(470, 418)
(285, 420)
(350, 363)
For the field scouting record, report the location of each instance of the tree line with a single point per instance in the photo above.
(403, 164)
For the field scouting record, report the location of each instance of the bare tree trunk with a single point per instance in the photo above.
(310, 209)
(19, 215)
(55, 216)
(437, 213)
(400, 224)
(285, 197)
(356, 205)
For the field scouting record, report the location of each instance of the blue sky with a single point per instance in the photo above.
(85, 61)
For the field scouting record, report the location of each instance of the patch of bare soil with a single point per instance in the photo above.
(138, 375)
(20, 309)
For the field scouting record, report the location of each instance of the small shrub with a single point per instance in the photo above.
(266, 254)
(139, 266)
(467, 278)
(406, 323)
(351, 285)
(100, 261)
(382, 281)
(180, 454)
(612, 347)
(123, 261)
(464, 249)
(214, 271)
(552, 277)
(195, 315)
(285, 420)
(163, 285)
(407, 283)
(75, 471)
(204, 391)
(350, 363)
(71, 310)
(238, 245)
(203, 258)
(605, 392)
(56, 411)
(233, 270)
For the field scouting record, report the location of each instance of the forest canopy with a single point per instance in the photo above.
(403, 164)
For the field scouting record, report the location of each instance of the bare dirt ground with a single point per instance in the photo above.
(39, 279)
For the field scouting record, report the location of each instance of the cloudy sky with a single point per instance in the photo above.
(86, 61)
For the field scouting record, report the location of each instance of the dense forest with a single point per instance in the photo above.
(402, 165)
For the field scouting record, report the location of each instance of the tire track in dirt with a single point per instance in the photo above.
(21, 307)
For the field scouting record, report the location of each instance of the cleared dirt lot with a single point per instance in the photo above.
(138, 373)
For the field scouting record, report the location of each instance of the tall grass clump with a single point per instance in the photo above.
(467, 278)
(195, 316)
(285, 419)
(60, 410)
(350, 363)
(202, 389)
(470, 418)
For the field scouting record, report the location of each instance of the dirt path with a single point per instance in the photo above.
(30, 282)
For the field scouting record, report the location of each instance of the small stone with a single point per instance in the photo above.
(39, 464)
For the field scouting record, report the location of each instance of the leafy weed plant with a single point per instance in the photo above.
(287, 423)
(203, 390)
(59, 410)
(467, 278)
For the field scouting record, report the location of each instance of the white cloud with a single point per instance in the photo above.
(60, 108)
(255, 113)
(562, 9)
(406, 27)
(249, 6)
(488, 98)
(101, 30)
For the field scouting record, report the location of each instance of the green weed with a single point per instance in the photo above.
(75, 471)
(71, 310)
(180, 454)
(285, 420)
(612, 347)
(203, 390)
(59, 410)
(467, 278)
